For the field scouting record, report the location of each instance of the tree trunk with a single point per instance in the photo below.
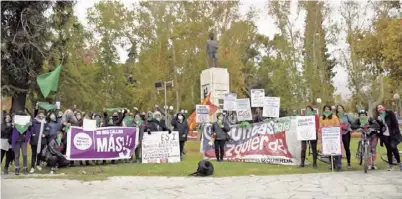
(18, 102)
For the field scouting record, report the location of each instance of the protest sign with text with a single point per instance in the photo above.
(306, 129)
(229, 102)
(109, 143)
(331, 140)
(243, 109)
(273, 143)
(202, 113)
(257, 97)
(271, 107)
(161, 147)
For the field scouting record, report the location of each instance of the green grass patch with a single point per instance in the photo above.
(189, 165)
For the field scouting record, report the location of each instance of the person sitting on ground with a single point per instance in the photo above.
(390, 134)
(54, 156)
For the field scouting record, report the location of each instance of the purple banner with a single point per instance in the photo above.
(109, 143)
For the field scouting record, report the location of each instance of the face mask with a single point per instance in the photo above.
(53, 117)
(180, 117)
(98, 122)
(309, 113)
(363, 120)
(78, 117)
(383, 114)
(8, 120)
(327, 113)
(58, 139)
(340, 113)
(110, 122)
(220, 118)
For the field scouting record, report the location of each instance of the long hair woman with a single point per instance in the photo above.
(346, 123)
(310, 112)
(328, 119)
(390, 134)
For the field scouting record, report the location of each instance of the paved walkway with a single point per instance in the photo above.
(350, 185)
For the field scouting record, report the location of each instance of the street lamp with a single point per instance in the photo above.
(398, 103)
(318, 100)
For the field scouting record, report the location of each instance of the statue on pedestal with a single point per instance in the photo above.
(212, 47)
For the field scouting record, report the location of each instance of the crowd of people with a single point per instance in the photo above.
(53, 125)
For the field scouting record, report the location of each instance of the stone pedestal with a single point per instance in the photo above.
(216, 82)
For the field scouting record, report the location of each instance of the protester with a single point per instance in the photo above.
(141, 125)
(53, 125)
(220, 131)
(68, 120)
(19, 141)
(6, 147)
(346, 130)
(154, 122)
(362, 121)
(54, 156)
(180, 124)
(310, 112)
(390, 134)
(295, 113)
(328, 119)
(115, 120)
(258, 116)
(38, 139)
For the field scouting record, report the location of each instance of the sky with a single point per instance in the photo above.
(265, 25)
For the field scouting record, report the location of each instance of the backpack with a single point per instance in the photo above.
(205, 168)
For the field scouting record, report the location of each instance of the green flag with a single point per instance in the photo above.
(48, 82)
(21, 123)
(47, 106)
(114, 109)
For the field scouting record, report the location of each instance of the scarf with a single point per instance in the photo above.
(128, 121)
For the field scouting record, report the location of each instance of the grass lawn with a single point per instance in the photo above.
(189, 165)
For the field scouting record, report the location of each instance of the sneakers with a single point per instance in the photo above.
(390, 167)
(32, 171)
(39, 168)
(17, 171)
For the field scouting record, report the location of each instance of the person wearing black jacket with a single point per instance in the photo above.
(54, 156)
(6, 147)
(364, 120)
(36, 136)
(390, 134)
(141, 125)
(220, 131)
(154, 123)
(115, 120)
(180, 124)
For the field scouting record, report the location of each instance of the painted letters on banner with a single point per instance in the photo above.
(331, 140)
(273, 143)
(271, 107)
(161, 147)
(306, 128)
(243, 109)
(257, 97)
(110, 143)
(202, 113)
(229, 102)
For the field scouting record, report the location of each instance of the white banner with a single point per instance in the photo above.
(89, 125)
(257, 97)
(161, 147)
(271, 107)
(306, 128)
(202, 113)
(243, 109)
(229, 102)
(331, 140)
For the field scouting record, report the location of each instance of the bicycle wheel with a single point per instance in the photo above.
(366, 157)
(359, 155)
(384, 158)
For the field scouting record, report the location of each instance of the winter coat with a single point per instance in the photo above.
(54, 149)
(371, 123)
(393, 128)
(155, 125)
(17, 137)
(36, 124)
(221, 133)
(116, 121)
(6, 130)
(181, 127)
(52, 127)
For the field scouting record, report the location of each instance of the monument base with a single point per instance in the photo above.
(216, 82)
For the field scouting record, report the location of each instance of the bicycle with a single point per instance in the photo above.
(384, 158)
(364, 152)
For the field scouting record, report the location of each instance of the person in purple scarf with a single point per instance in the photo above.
(19, 141)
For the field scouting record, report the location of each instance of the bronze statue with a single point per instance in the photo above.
(212, 47)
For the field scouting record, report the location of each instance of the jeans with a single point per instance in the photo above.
(35, 158)
(54, 161)
(9, 156)
(391, 150)
(346, 144)
(21, 146)
(219, 149)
